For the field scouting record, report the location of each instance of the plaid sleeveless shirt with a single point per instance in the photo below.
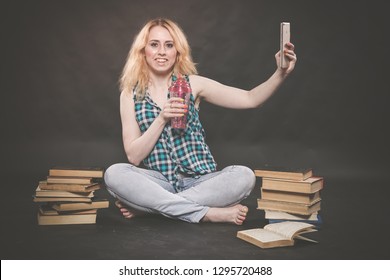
(175, 151)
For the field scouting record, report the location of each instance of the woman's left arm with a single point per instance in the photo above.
(235, 98)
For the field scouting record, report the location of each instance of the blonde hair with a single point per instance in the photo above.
(135, 73)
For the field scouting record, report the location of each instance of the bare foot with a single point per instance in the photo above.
(235, 214)
(125, 211)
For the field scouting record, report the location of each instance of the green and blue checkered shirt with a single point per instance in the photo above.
(176, 151)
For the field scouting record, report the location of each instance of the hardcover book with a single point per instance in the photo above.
(59, 193)
(94, 172)
(48, 210)
(306, 198)
(68, 219)
(69, 180)
(61, 199)
(289, 207)
(296, 174)
(84, 188)
(309, 185)
(96, 204)
(270, 214)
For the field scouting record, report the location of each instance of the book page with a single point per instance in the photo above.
(287, 229)
(264, 235)
(305, 238)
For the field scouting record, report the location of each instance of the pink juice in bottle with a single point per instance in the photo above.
(180, 88)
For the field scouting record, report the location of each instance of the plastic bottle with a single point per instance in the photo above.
(180, 88)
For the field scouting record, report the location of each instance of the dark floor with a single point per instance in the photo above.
(355, 214)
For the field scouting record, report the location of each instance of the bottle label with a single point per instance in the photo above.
(180, 88)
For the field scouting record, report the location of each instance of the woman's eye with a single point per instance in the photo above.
(169, 45)
(153, 44)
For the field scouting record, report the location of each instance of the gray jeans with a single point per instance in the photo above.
(149, 191)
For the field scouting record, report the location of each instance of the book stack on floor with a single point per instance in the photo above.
(291, 201)
(67, 196)
(290, 195)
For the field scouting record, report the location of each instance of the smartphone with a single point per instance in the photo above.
(284, 39)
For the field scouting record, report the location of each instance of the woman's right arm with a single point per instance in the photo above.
(137, 145)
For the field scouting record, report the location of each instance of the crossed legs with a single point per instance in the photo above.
(211, 198)
(235, 214)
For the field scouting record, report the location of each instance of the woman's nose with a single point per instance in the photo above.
(161, 50)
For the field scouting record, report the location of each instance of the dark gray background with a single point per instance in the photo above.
(61, 61)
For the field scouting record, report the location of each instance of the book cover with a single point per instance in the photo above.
(270, 214)
(59, 193)
(48, 210)
(96, 204)
(290, 207)
(284, 172)
(306, 198)
(61, 199)
(66, 219)
(70, 180)
(309, 185)
(82, 188)
(94, 172)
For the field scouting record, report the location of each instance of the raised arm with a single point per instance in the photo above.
(231, 97)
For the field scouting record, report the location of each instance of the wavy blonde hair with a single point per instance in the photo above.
(135, 74)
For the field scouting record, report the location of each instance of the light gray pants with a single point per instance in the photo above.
(149, 191)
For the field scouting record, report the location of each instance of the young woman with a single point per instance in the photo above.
(180, 180)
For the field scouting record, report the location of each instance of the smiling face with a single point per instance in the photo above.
(160, 51)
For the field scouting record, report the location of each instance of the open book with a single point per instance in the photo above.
(277, 234)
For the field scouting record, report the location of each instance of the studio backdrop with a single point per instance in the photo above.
(62, 61)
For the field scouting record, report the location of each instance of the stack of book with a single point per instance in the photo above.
(290, 195)
(67, 196)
